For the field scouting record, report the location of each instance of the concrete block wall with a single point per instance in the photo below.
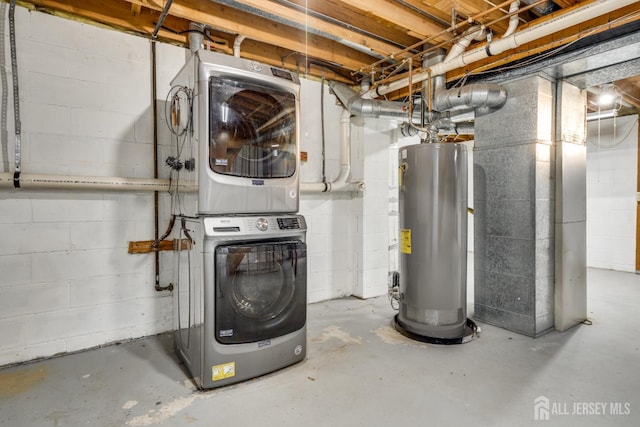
(67, 282)
(331, 217)
(371, 139)
(612, 153)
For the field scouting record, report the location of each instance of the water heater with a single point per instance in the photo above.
(433, 243)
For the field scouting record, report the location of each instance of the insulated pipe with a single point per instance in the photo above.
(236, 45)
(574, 17)
(477, 96)
(69, 182)
(341, 182)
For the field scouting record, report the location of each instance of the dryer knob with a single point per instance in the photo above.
(262, 224)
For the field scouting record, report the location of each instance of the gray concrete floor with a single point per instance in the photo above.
(359, 371)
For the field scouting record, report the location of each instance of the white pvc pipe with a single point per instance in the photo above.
(69, 182)
(574, 17)
(463, 43)
(340, 183)
(513, 20)
(236, 45)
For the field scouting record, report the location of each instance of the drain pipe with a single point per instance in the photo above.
(473, 33)
(236, 45)
(513, 20)
(573, 17)
(341, 182)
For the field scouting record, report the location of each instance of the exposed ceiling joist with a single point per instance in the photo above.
(340, 38)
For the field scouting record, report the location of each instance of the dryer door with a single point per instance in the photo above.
(261, 290)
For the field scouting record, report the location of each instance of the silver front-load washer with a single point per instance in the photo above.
(241, 298)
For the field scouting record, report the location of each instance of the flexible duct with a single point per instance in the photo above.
(69, 182)
(341, 182)
(573, 17)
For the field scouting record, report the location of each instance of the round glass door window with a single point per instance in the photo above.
(260, 290)
(252, 130)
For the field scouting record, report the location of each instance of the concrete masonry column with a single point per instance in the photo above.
(515, 207)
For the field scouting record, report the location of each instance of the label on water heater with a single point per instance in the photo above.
(405, 241)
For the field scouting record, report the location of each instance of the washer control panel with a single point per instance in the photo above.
(243, 225)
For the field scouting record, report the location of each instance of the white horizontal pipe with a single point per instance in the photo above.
(566, 20)
(70, 182)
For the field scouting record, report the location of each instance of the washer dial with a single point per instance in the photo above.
(262, 224)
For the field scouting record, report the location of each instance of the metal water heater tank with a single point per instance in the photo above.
(433, 242)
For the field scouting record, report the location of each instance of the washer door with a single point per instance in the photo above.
(261, 290)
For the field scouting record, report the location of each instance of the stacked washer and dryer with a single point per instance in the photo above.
(240, 257)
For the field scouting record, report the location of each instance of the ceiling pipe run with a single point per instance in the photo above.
(70, 182)
(573, 17)
(341, 183)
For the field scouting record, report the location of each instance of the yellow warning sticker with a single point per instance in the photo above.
(405, 241)
(220, 372)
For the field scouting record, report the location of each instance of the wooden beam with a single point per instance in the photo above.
(146, 246)
(135, 9)
(322, 26)
(393, 12)
(115, 14)
(258, 28)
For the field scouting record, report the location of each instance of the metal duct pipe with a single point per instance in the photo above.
(358, 106)
(437, 82)
(69, 182)
(236, 45)
(196, 36)
(477, 96)
(341, 182)
(573, 17)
